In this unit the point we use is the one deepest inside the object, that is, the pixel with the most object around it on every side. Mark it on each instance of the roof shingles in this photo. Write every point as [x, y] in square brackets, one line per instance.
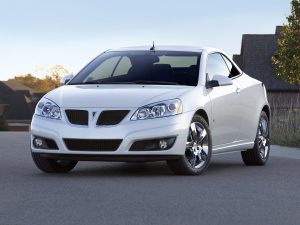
[18, 100]
[255, 60]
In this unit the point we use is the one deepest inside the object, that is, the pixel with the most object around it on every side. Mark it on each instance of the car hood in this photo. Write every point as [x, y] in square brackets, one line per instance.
[114, 96]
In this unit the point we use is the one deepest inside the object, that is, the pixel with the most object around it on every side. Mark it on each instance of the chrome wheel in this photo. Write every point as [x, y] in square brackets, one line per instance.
[259, 154]
[196, 151]
[263, 138]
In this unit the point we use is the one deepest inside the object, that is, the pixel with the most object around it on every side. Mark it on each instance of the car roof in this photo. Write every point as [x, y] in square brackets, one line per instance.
[168, 48]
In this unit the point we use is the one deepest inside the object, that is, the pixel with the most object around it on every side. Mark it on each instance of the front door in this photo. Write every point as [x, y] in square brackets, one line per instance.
[225, 104]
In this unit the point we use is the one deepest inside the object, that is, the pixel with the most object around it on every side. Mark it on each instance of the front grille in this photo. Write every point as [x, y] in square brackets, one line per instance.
[78, 117]
[111, 117]
[93, 144]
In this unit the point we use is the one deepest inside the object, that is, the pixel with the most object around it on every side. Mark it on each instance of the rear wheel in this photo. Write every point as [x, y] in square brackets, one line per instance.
[48, 165]
[259, 154]
[197, 151]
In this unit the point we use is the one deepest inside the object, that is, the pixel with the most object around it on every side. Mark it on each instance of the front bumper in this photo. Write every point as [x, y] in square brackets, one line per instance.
[129, 131]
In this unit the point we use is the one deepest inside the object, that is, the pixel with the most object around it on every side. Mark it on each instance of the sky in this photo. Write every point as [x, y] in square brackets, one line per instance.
[37, 34]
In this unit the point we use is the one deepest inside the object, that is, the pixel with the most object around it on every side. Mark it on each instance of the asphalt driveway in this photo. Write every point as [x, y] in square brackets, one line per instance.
[148, 193]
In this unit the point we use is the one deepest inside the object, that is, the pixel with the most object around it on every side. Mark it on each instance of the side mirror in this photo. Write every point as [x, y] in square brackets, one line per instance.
[219, 80]
[66, 79]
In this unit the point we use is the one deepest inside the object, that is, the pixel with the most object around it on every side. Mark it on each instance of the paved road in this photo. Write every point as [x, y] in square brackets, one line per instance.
[147, 193]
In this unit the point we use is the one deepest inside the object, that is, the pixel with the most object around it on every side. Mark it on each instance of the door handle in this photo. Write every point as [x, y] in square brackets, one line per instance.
[238, 90]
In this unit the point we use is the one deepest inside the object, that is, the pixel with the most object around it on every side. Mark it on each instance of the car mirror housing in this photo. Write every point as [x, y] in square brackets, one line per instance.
[66, 79]
[219, 80]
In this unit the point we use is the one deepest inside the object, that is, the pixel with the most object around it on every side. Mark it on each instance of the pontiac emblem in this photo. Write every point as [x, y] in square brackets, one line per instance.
[94, 113]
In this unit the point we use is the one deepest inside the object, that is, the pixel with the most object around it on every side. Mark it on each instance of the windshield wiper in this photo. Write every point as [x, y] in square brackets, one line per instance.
[127, 82]
[102, 82]
[155, 82]
[88, 82]
[115, 82]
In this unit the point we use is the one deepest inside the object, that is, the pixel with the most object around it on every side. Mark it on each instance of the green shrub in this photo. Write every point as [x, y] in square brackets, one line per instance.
[3, 124]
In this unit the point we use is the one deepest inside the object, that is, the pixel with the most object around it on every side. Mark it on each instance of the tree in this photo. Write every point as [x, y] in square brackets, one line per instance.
[55, 74]
[46, 84]
[287, 62]
[28, 80]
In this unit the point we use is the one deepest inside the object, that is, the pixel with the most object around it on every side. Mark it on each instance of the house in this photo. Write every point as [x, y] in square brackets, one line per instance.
[2, 107]
[17, 102]
[255, 59]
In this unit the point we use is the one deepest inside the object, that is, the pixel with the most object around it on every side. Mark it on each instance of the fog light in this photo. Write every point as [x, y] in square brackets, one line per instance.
[38, 142]
[163, 144]
[44, 143]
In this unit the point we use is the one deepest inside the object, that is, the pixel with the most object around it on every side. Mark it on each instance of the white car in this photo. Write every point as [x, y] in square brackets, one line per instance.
[179, 104]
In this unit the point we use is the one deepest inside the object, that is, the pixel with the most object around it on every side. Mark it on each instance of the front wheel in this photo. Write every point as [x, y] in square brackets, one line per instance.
[197, 151]
[259, 154]
[48, 165]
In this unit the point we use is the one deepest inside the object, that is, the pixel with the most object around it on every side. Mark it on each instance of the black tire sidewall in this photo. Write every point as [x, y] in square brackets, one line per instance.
[48, 165]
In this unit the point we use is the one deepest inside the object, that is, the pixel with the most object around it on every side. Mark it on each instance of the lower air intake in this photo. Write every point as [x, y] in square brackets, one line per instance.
[93, 144]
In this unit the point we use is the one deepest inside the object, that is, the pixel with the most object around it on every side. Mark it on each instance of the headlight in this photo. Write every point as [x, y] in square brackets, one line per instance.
[158, 110]
[48, 109]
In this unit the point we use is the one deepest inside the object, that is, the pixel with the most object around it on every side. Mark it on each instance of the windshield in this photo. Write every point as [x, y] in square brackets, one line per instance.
[142, 67]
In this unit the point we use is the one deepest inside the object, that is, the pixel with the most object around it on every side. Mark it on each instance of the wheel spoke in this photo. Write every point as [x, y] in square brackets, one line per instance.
[194, 132]
[264, 142]
[260, 141]
[193, 162]
[262, 153]
[260, 129]
[198, 160]
[189, 144]
[204, 150]
[266, 150]
[265, 128]
[202, 136]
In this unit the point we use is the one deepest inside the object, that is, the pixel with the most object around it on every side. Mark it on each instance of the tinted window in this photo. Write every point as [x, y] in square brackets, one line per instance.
[233, 70]
[159, 67]
[216, 66]
[178, 61]
[123, 66]
[106, 68]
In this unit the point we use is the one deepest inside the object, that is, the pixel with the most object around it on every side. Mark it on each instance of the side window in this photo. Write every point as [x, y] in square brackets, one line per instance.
[123, 67]
[233, 70]
[104, 70]
[215, 65]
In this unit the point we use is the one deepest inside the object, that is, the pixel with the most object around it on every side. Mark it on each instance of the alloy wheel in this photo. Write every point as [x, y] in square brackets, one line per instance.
[263, 138]
[196, 151]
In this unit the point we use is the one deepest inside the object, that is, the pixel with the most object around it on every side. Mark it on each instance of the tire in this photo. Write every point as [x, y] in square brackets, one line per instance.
[48, 165]
[197, 154]
[259, 154]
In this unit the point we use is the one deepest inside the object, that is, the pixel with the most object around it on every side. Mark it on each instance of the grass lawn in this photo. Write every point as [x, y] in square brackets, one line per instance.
[285, 127]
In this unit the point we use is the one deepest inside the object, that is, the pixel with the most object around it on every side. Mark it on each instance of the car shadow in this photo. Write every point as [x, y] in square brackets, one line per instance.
[125, 169]
[140, 169]
[217, 167]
